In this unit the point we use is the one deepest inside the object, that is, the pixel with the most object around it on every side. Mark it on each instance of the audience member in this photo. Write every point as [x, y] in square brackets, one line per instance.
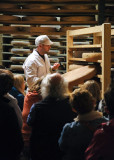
[76, 136]
[13, 101]
[94, 88]
[18, 89]
[102, 144]
[47, 118]
[11, 141]
[32, 96]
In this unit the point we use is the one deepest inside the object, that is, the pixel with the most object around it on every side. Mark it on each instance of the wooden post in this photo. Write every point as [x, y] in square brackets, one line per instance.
[69, 44]
[106, 56]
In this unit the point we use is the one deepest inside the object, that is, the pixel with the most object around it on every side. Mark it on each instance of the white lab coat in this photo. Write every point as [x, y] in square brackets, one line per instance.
[35, 67]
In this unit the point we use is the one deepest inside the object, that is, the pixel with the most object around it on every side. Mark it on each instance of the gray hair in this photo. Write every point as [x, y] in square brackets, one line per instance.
[54, 85]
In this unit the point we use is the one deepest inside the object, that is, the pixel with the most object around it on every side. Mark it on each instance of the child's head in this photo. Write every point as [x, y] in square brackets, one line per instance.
[19, 83]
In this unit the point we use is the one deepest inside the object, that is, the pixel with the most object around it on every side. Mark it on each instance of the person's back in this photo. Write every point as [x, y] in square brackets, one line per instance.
[102, 144]
[11, 141]
[76, 136]
[47, 118]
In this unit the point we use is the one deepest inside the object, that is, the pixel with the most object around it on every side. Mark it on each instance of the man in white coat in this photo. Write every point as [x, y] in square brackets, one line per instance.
[37, 63]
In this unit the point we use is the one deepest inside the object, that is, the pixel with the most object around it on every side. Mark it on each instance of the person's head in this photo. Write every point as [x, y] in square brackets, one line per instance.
[109, 99]
[37, 85]
[82, 101]
[54, 85]
[6, 83]
[19, 83]
[93, 87]
[43, 44]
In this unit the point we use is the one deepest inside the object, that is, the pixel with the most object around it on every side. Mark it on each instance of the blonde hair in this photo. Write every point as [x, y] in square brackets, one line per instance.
[93, 87]
[18, 82]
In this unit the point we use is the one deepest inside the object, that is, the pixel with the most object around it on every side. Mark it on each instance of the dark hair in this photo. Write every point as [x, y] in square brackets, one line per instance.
[6, 83]
[109, 98]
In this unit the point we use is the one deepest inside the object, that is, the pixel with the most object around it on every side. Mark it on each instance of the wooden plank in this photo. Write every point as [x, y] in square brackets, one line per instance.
[45, 12]
[85, 31]
[29, 30]
[50, 22]
[71, 1]
[85, 46]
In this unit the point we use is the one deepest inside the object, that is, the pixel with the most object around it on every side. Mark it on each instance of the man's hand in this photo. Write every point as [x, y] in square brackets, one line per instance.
[55, 66]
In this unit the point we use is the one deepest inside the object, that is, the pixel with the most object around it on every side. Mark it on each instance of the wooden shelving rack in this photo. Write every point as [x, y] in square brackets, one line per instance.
[101, 42]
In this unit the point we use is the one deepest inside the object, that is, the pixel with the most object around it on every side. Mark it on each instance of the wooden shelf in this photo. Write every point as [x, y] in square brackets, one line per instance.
[101, 40]
[86, 46]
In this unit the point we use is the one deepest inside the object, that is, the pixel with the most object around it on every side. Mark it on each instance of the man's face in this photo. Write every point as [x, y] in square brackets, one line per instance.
[45, 48]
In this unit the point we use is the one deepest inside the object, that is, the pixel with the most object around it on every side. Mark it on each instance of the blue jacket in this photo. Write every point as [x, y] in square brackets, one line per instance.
[19, 96]
[76, 136]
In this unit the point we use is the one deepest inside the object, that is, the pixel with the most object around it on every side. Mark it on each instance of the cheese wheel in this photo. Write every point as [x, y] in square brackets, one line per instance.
[18, 59]
[92, 56]
[20, 51]
[20, 43]
[78, 76]
[16, 67]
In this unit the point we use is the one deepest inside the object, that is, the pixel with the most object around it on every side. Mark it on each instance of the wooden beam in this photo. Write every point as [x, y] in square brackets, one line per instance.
[85, 31]
[106, 57]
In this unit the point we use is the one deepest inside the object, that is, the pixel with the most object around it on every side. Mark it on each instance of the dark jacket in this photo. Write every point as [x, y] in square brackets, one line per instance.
[102, 144]
[47, 119]
[19, 96]
[11, 142]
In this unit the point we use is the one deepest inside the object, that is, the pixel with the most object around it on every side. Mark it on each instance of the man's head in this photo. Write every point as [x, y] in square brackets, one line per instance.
[43, 39]
[43, 44]
[54, 85]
